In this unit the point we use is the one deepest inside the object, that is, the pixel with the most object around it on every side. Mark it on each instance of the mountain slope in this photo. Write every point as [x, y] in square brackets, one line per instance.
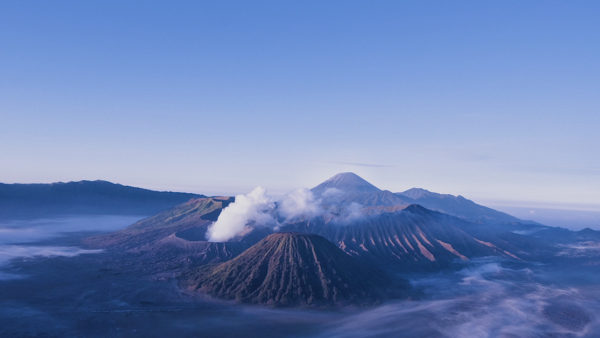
[457, 206]
[84, 197]
[412, 239]
[288, 269]
[197, 214]
[173, 239]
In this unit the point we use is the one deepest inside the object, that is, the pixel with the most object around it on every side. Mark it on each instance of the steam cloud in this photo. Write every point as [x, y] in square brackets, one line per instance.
[299, 203]
[257, 208]
[15, 236]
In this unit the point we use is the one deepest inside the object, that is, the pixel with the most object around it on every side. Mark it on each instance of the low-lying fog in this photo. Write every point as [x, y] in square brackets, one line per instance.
[565, 218]
[62, 296]
[39, 237]
[485, 299]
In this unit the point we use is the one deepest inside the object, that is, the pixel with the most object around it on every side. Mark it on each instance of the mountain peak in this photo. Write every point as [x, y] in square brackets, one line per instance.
[417, 193]
[347, 182]
[417, 209]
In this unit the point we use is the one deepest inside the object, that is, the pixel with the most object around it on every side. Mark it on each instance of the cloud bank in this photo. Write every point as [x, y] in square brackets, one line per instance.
[10, 252]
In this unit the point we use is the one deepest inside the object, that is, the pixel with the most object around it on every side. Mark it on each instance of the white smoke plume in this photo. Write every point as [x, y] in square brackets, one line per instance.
[299, 203]
[351, 213]
[259, 209]
[255, 207]
[332, 193]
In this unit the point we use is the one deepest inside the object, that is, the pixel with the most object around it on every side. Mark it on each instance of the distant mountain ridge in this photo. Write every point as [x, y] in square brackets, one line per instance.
[456, 206]
[348, 187]
[83, 197]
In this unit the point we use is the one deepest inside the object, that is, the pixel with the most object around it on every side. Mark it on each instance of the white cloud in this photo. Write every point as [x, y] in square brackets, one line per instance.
[351, 213]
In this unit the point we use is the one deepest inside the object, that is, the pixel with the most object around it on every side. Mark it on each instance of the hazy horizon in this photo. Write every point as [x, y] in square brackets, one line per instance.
[215, 191]
[572, 216]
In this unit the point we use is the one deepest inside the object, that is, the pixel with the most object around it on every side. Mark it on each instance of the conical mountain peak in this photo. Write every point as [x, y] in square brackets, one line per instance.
[347, 182]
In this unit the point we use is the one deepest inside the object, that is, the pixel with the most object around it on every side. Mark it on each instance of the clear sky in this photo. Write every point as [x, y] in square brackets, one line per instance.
[495, 100]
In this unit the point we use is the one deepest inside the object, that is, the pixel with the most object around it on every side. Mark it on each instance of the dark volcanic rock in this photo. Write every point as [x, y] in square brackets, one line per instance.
[291, 269]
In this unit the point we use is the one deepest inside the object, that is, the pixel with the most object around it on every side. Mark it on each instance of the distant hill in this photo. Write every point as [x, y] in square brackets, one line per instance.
[84, 197]
[289, 269]
[456, 206]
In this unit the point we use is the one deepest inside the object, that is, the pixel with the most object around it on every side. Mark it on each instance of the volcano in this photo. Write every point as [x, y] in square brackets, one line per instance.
[188, 221]
[347, 182]
[292, 269]
[174, 239]
[345, 188]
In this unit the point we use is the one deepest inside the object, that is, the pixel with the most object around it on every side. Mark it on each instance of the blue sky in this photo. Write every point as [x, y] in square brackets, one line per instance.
[495, 100]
